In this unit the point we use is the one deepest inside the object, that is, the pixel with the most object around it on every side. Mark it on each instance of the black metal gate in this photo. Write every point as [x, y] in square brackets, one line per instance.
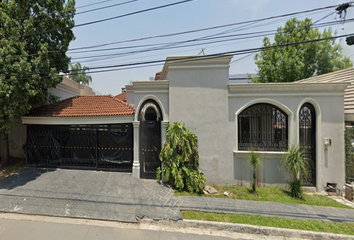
[150, 139]
[81, 146]
[307, 133]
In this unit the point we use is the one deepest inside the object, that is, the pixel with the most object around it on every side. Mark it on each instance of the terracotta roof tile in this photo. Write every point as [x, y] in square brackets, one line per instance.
[122, 96]
[157, 75]
[84, 106]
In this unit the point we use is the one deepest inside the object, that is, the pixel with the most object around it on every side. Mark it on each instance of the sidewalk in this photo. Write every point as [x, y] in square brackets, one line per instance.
[120, 197]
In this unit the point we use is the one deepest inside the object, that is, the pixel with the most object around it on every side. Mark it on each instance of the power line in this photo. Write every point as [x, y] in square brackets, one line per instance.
[205, 29]
[94, 4]
[238, 52]
[132, 13]
[109, 6]
[112, 18]
[239, 59]
[186, 41]
[196, 58]
[246, 36]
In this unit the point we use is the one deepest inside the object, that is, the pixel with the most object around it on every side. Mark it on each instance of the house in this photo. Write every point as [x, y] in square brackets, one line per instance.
[65, 89]
[241, 78]
[229, 120]
[342, 76]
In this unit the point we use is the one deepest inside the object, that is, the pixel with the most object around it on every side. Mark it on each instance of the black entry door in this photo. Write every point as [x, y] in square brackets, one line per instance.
[150, 139]
[150, 148]
[307, 133]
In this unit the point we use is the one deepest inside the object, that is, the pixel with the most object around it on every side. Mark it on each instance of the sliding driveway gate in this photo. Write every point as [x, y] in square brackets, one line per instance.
[81, 146]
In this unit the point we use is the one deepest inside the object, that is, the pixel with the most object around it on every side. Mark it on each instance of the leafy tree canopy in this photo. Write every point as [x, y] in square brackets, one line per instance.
[34, 38]
[78, 74]
[300, 61]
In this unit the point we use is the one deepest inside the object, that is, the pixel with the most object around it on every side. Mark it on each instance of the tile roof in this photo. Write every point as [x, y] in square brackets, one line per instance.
[84, 106]
[346, 75]
[122, 96]
[158, 75]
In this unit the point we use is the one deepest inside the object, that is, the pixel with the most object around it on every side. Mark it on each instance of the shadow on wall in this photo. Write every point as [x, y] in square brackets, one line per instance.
[23, 177]
[270, 173]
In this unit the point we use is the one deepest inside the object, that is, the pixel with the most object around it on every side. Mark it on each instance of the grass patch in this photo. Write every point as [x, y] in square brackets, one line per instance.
[269, 194]
[16, 165]
[309, 225]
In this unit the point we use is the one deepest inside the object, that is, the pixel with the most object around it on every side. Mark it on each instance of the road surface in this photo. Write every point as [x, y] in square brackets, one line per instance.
[20, 226]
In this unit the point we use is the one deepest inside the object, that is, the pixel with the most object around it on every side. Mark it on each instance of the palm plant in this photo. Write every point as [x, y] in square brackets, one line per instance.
[255, 162]
[78, 74]
[295, 164]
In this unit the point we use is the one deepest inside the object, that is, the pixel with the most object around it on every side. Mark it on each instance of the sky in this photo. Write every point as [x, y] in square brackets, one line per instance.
[193, 15]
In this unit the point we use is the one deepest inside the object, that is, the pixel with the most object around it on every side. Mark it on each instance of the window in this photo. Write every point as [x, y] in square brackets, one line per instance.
[263, 127]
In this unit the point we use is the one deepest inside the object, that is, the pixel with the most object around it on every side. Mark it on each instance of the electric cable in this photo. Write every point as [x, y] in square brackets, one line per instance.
[105, 7]
[193, 58]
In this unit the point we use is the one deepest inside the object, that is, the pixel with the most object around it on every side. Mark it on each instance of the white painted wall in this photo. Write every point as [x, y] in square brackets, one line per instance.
[130, 94]
[156, 90]
[199, 97]
[330, 124]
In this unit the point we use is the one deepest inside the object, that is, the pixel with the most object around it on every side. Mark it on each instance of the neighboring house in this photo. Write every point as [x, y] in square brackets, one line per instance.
[241, 78]
[342, 76]
[229, 120]
[122, 96]
[67, 88]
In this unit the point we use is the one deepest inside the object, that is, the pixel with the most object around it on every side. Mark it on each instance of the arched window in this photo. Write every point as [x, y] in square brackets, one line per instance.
[263, 127]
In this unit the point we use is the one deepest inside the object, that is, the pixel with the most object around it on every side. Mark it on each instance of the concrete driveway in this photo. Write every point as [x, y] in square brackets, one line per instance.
[86, 194]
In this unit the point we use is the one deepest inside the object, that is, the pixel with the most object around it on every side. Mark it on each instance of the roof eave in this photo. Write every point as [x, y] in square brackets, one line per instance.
[115, 119]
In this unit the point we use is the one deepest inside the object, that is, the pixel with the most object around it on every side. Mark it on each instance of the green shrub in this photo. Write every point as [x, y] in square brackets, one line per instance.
[180, 159]
[349, 155]
[158, 174]
[295, 164]
[255, 162]
[295, 188]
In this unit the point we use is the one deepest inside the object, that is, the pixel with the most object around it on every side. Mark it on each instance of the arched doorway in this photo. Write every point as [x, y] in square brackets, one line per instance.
[150, 118]
[307, 134]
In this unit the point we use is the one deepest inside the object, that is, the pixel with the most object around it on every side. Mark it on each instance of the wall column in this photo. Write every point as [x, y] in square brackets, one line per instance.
[136, 163]
[163, 132]
[163, 138]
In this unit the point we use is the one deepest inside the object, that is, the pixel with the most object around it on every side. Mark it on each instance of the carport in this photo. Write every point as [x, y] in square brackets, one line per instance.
[88, 132]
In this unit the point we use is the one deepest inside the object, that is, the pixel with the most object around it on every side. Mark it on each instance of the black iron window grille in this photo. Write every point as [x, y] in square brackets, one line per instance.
[263, 127]
[307, 134]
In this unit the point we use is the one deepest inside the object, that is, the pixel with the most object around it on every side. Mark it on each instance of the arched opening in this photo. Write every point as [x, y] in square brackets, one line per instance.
[263, 127]
[307, 140]
[150, 138]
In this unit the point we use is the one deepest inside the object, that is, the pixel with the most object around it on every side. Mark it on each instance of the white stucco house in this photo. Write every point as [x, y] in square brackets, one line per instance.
[229, 120]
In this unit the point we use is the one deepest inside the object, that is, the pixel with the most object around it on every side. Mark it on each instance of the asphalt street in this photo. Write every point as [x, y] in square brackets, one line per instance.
[20, 226]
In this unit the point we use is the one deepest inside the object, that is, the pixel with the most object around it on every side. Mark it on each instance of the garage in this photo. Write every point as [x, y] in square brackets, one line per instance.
[86, 132]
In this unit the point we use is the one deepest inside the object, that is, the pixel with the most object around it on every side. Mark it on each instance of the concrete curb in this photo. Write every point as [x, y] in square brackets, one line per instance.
[214, 227]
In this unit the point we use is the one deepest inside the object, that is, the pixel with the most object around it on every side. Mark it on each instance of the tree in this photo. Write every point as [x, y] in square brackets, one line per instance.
[295, 164]
[180, 159]
[254, 161]
[34, 38]
[299, 61]
[78, 74]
